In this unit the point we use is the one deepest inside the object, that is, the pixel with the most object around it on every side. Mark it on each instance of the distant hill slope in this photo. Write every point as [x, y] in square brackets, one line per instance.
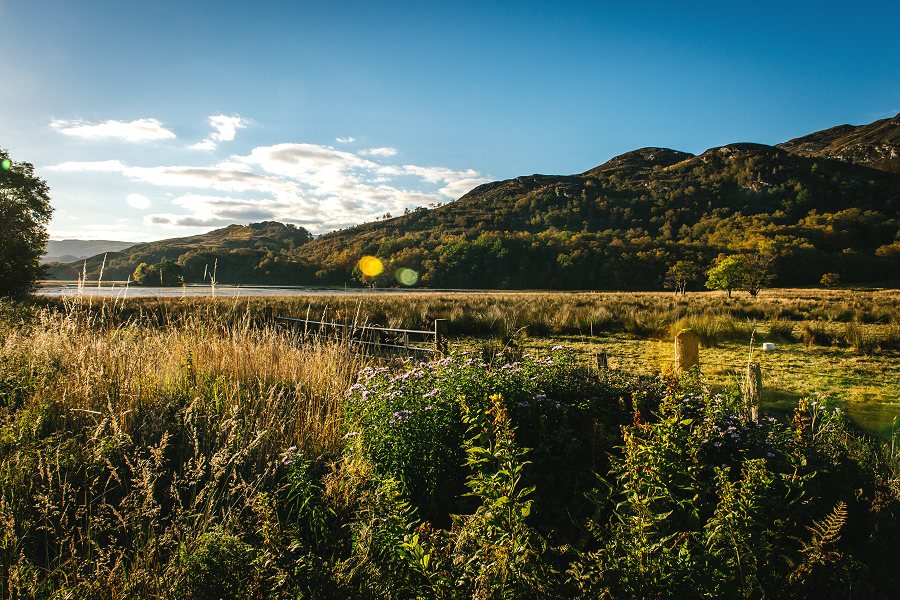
[622, 223]
[818, 201]
[876, 145]
[255, 253]
[71, 250]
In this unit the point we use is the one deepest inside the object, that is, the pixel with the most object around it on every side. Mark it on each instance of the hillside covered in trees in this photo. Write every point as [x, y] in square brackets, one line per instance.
[826, 203]
[255, 253]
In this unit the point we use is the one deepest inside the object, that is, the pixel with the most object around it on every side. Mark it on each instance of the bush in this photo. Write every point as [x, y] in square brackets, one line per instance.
[813, 334]
[705, 504]
[411, 426]
[830, 279]
[781, 331]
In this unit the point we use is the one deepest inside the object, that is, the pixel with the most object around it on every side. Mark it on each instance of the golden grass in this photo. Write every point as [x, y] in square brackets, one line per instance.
[541, 313]
[835, 342]
[92, 366]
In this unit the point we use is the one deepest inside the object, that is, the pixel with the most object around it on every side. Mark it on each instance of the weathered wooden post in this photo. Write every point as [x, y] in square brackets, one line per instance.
[687, 351]
[753, 390]
[602, 361]
[440, 336]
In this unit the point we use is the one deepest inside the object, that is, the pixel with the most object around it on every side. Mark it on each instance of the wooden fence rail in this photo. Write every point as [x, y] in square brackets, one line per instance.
[380, 337]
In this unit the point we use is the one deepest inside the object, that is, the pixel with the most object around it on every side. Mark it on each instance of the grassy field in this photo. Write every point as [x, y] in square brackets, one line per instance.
[186, 448]
[843, 345]
[867, 386]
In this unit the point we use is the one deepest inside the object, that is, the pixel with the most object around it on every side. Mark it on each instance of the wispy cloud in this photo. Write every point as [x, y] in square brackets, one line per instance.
[222, 178]
[317, 186]
[379, 152]
[224, 129]
[139, 130]
[94, 166]
[345, 140]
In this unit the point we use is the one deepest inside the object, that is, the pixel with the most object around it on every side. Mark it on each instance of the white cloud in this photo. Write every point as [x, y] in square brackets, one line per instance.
[139, 130]
[223, 178]
[345, 140]
[224, 130]
[205, 210]
[378, 152]
[138, 201]
[204, 145]
[432, 174]
[319, 187]
[226, 127]
[97, 166]
[461, 187]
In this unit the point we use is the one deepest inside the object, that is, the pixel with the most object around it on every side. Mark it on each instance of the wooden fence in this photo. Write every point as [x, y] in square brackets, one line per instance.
[412, 340]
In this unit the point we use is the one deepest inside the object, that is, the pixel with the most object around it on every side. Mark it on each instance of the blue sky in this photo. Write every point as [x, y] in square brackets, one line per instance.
[161, 119]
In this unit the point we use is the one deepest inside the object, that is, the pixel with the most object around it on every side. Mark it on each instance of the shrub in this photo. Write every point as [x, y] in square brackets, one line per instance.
[830, 279]
[712, 328]
[410, 424]
[781, 331]
[813, 334]
[705, 504]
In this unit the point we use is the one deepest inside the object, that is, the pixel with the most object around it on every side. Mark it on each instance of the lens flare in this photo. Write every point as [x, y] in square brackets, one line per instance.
[371, 266]
[5, 164]
[406, 276]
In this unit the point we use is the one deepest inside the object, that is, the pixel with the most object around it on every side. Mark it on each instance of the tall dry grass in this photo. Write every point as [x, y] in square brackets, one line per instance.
[90, 361]
[507, 314]
[122, 445]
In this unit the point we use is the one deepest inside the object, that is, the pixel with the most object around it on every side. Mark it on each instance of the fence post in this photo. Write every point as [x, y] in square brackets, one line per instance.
[687, 351]
[753, 390]
[602, 361]
[440, 336]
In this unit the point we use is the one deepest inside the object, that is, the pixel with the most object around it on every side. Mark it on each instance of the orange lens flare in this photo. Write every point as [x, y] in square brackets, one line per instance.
[371, 266]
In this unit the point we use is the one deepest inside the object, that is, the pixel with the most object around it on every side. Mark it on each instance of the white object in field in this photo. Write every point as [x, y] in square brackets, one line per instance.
[768, 346]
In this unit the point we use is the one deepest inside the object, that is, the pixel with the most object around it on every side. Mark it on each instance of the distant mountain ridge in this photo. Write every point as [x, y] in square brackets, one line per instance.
[824, 203]
[255, 253]
[875, 145]
[71, 250]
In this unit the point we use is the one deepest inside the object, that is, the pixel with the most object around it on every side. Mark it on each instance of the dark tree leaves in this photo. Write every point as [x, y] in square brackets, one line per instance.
[24, 213]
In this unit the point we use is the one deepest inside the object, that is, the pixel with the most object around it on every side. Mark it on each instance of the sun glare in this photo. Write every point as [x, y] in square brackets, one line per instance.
[371, 266]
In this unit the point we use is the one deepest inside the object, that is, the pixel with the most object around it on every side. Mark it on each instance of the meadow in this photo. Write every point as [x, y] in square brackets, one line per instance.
[839, 345]
[186, 447]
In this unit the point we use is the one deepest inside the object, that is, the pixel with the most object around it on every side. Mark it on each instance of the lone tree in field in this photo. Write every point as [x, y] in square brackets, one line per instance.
[830, 279]
[758, 271]
[726, 274]
[681, 275]
[749, 272]
[24, 213]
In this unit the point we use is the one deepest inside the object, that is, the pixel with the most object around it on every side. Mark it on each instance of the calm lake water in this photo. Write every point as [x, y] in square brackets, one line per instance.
[121, 291]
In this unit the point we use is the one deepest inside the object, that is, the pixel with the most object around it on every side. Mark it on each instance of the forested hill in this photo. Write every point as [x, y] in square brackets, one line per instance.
[819, 208]
[623, 223]
[256, 253]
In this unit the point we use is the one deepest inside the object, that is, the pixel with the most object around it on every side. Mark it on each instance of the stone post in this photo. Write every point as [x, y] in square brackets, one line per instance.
[687, 350]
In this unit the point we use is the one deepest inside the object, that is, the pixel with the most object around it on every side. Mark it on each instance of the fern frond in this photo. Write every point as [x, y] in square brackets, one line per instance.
[827, 531]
